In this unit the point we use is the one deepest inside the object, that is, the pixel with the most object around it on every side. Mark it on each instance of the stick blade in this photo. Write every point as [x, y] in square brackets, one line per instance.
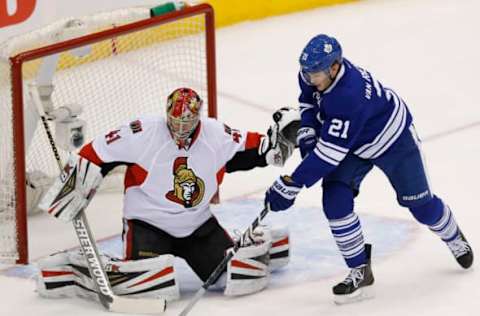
[138, 305]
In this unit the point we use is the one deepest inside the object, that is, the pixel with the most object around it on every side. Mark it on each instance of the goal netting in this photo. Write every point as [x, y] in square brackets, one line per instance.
[113, 66]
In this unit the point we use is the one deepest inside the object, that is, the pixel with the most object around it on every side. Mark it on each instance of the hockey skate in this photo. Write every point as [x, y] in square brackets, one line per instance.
[461, 250]
[357, 286]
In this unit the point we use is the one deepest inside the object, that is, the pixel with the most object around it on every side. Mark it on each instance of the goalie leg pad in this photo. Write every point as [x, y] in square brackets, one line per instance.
[55, 278]
[280, 250]
[248, 271]
[279, 239]
[66, 275]
[152, 277]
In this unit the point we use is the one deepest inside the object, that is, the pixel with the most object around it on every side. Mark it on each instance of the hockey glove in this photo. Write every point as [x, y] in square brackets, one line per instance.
[281, 195]
[306, 140]
[72, 191]
[259, 235]
[280, 141]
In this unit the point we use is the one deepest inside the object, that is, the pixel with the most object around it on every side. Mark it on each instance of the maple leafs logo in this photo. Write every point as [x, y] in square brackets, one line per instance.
[328, 48]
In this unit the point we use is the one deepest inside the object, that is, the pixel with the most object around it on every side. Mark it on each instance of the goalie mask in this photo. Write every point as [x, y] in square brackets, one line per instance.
[183, 114]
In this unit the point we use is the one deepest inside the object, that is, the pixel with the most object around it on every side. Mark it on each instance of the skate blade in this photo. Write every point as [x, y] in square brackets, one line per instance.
[361, 294]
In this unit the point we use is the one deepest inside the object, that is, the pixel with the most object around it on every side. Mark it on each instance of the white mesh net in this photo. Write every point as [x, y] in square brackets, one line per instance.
[116, 80]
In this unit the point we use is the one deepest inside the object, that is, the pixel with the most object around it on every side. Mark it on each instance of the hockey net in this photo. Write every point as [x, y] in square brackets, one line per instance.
[116, 66]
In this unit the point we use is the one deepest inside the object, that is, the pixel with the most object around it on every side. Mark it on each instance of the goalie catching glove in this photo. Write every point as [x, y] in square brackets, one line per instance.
[73, 189]
[280, 141]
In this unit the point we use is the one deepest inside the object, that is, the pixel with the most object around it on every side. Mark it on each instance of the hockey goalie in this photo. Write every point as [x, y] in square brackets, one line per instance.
[174, 166]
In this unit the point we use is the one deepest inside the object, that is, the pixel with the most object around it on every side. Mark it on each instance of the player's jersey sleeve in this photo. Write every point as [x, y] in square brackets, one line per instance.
[306, 103]
[230, 141]
[345, 118]
[248, 158]
[122, 145]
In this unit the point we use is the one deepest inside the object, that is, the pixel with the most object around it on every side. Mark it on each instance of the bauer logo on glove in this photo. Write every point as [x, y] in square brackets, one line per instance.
[286, 191]
[281, 195]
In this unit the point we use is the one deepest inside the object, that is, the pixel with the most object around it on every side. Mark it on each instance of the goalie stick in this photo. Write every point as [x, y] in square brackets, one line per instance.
[221, 266]
[105, 293]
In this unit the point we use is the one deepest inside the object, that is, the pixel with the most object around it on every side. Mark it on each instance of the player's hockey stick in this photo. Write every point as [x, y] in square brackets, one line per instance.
[105, 293]
[223, 264]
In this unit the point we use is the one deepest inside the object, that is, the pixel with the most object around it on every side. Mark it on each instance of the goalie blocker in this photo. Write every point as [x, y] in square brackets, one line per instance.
[73, 190]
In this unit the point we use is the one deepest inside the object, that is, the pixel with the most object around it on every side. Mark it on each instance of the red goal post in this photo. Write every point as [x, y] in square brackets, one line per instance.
[116, 65]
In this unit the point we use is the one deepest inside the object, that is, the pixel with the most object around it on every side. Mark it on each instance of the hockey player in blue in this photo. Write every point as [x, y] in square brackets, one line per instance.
[351, 123]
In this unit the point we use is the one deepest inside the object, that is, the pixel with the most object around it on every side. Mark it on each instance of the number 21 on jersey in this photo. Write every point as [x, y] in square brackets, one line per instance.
[339, 128]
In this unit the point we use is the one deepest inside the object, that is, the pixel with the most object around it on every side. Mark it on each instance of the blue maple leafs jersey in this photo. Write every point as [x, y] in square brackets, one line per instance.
[356, 114]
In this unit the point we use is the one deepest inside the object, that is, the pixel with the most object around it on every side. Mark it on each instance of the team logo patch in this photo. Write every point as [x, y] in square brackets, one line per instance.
[188, 189]
[136, 126]
[328, 48]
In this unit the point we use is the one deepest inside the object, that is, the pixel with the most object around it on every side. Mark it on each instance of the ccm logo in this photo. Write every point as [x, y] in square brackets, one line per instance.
[24, 10]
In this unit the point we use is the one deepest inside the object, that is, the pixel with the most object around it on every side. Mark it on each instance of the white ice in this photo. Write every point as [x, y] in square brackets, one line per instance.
[427, 50]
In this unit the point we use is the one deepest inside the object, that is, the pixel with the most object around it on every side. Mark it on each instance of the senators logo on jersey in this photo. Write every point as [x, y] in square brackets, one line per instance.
[188, 189]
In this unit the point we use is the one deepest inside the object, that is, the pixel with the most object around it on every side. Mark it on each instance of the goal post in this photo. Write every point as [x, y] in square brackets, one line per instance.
[113, 66]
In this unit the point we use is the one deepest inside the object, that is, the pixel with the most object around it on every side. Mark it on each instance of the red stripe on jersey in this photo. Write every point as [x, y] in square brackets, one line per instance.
[47, 274]
[253, 140]
[220, 175]
[281, 242]
[160, 274]
[90, 154]
[240, 264]
[134, 176]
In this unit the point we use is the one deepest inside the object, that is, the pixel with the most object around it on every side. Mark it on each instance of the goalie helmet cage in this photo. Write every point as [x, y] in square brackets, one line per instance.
[116, 65]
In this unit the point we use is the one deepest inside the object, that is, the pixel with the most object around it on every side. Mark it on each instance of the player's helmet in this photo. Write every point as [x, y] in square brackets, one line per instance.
[183, 113]
[320, 54]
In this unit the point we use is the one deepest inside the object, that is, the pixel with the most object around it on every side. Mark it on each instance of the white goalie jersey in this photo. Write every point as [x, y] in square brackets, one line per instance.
[165, 186]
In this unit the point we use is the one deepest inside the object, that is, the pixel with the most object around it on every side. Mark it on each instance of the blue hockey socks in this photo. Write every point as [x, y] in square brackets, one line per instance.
[446, 228]
[348, 235]
[438, 217]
